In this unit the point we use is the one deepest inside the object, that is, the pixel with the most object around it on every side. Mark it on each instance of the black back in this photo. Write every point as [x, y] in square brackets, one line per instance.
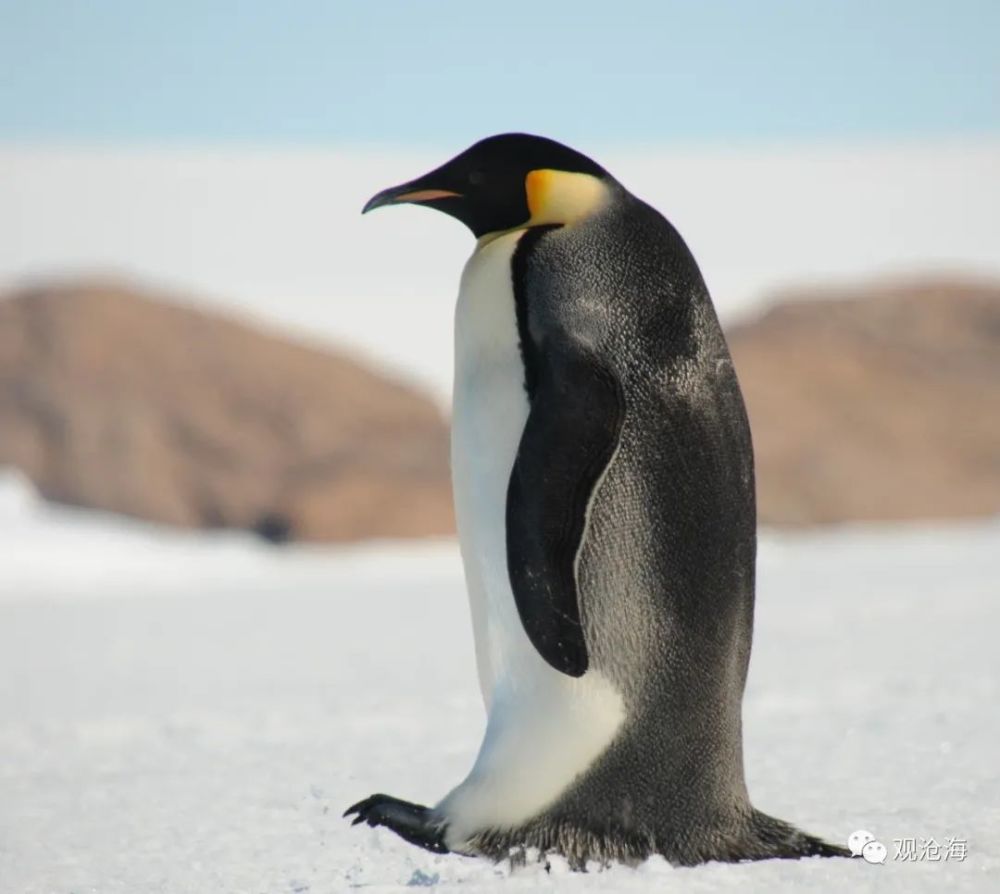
[636, 412]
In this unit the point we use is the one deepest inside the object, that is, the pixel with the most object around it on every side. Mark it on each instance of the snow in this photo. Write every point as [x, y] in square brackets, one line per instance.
[182, 712]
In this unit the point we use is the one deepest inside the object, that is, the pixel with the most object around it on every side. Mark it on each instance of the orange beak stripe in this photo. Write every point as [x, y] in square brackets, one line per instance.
[427, 195]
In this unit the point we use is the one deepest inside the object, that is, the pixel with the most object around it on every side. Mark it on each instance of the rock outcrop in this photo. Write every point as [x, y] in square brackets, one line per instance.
[875, 404]
[117, 401]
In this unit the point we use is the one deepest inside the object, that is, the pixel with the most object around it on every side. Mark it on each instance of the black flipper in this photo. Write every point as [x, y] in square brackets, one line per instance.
[577, 410]
[411, 822]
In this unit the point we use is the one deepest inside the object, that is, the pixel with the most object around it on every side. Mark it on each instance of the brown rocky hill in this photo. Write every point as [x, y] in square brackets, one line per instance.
[876, 403]
[117, 401]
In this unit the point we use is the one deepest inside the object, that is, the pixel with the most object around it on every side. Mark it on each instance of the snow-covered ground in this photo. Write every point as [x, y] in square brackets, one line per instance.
[183, 713]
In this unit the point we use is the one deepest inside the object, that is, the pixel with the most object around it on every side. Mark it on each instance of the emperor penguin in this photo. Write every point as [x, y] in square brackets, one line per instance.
[604, 495]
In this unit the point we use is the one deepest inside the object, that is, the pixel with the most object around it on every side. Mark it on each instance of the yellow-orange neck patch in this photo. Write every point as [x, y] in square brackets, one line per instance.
[561, 197]
[556, 197]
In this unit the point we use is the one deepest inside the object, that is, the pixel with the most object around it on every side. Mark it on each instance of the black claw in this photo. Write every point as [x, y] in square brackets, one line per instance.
[359, 807]
[411, 822]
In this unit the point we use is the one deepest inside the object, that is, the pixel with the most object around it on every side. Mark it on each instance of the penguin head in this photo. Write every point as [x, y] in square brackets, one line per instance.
[507, 182]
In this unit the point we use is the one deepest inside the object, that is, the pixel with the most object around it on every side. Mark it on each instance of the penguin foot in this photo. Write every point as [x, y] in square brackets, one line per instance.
[411, 822]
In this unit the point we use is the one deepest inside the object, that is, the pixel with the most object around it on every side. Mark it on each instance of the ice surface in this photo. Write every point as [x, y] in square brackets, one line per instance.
[182, 713]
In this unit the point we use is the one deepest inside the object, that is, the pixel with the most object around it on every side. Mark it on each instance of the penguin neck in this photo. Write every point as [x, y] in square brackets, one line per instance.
[488, 238]
[558, 198]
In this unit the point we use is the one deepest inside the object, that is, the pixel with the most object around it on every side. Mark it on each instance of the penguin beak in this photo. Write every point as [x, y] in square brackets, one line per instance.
[416, 192]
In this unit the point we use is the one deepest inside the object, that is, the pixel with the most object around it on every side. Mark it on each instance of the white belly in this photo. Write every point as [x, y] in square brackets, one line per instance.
[490, 408]
[544, 727]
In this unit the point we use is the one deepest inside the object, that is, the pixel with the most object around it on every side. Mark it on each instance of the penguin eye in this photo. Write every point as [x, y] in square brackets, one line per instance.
[477, 178]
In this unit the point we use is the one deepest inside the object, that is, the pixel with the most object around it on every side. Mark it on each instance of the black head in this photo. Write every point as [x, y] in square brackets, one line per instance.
[500, 183]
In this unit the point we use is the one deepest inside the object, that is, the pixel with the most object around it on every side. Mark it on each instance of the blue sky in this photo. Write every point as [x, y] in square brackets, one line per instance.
[441, 72]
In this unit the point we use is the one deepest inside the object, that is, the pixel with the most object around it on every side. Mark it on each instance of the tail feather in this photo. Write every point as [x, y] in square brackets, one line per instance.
[778, 839]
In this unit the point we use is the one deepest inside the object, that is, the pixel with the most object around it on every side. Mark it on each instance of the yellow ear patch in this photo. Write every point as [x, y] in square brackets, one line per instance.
[561, 197]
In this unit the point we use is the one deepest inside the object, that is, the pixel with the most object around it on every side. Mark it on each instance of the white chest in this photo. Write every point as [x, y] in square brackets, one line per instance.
[490, 409]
